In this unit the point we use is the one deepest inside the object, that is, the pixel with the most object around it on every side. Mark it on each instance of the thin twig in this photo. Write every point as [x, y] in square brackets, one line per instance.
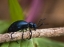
[50, 32]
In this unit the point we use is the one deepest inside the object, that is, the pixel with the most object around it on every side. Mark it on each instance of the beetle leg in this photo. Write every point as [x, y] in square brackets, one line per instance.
[22, 34]
[30, 33]
[11, 34]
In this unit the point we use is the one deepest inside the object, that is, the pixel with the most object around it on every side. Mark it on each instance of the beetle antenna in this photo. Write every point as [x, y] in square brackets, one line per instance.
[40, 21]
[40, 25]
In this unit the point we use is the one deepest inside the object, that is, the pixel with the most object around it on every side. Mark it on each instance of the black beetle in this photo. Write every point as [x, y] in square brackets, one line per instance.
[21, 25]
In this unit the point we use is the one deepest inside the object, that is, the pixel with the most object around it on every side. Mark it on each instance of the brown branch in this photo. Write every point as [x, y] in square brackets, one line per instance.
[50, 32]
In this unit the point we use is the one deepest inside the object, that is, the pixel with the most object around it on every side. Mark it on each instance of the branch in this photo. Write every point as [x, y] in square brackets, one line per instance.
[50, 32]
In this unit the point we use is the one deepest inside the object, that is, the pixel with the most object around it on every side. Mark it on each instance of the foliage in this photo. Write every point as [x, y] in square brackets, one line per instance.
[16, 12]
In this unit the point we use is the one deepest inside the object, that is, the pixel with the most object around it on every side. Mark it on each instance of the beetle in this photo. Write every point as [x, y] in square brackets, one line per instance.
[22, 25]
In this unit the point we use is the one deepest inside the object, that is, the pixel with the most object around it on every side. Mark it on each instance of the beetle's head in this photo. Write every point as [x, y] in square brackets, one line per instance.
[32, 25]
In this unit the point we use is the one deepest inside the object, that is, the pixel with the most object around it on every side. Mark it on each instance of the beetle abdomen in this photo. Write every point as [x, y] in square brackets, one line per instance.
[18, 25]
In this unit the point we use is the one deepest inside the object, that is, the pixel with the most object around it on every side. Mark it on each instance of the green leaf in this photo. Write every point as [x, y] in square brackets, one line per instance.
[5, 44]
[27, 43]
[14, 44]
[3, 26]
[44, 42]
[16, 12]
